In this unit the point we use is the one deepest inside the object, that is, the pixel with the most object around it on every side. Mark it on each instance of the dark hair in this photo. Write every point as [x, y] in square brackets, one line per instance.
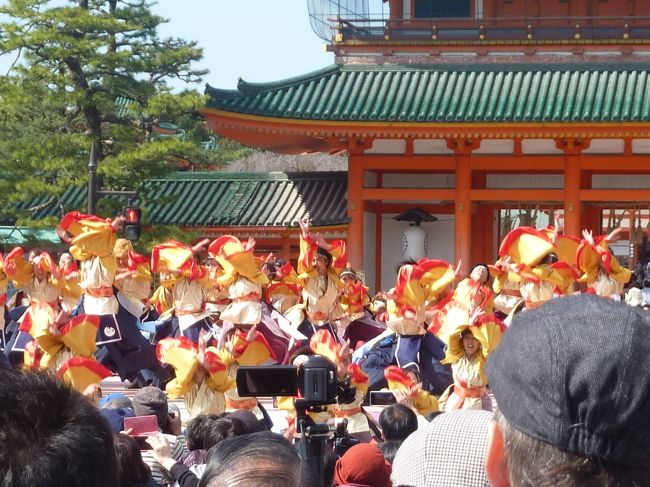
[549, 258]
[535, 463]
[223, 428]
[320, 251]
[52, 435]
[310, 478]
[397, 422]
[304, 350]
[131, 468]
[389, 449]
[196, 430]
[263, 458]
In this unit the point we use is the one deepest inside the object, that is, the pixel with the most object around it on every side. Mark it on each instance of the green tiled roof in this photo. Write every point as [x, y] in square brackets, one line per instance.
[257, 199]
[450, 94]
[217, 199]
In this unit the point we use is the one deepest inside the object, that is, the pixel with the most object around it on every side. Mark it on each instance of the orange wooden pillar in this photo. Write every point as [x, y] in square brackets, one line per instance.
[572, 179]
[379, 232]
[482, 225]
[463, 203]
[286, 248]
[355, 211]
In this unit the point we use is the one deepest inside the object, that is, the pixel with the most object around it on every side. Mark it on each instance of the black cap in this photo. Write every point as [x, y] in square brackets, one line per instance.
[575, 373]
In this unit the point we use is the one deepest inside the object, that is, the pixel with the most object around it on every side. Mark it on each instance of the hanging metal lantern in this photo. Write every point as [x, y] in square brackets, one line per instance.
[414, 237]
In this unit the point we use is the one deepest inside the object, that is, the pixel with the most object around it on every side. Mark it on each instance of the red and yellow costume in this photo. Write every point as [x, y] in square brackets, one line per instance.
[66, 349]
[469, 388]
[186, 280]
[600, 269]
[425, 402]
[205, 396]
[92, 245]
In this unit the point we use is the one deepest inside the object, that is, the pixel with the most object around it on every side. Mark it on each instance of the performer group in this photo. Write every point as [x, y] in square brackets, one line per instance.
[217, 305]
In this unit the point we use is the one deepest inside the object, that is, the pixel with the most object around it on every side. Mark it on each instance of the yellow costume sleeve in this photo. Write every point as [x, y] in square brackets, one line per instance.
[17, 268]
[218, 380]
[81, 372]
[181, 354]
[93, 237]
[243, 352]
[425, 402]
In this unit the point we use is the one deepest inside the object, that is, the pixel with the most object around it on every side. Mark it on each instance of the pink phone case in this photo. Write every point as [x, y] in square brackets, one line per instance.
[142, 425]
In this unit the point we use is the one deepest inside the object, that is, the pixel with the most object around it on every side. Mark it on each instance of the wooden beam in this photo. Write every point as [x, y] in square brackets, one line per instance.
[615, 195]
[408, 194]
[616, 164]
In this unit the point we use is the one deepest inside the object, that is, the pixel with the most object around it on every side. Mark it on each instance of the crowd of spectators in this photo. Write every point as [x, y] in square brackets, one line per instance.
[571, 382]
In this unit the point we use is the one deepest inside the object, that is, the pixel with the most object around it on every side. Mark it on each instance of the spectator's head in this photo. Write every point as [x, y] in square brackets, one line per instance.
[363, 464]
[132, 469]
[389, 449]
[253, 425]
[262, 459]
[152, 401]
[115, 417]
[397, 422]
[223, 428]
[449, 451]
[51, 434]
[116, 400]
[196, 430]
[572, 383]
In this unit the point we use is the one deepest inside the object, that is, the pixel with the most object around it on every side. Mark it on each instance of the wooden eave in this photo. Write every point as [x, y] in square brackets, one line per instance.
[291, 136]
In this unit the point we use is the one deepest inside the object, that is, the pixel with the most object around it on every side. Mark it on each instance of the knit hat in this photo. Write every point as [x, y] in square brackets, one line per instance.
[151, 401]
[574, 373]
[448, 452]
[116, 400]
[363, 465]
[115, 417]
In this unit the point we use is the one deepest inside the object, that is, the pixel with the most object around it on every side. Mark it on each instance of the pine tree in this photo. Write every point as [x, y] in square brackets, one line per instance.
[91, 71]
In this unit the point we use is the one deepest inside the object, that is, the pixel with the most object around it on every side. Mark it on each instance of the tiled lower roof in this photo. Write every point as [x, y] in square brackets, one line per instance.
[217, 199]
[514, 93]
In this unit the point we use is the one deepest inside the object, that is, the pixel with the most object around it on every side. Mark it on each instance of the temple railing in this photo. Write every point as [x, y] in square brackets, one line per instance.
[478, 30]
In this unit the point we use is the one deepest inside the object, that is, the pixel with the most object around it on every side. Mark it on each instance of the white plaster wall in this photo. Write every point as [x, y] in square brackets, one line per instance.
[524, 181]
[431, 146]
[498, 146]
[620, 181]
[539, 146]
[641, 146]
[605, 146]
[369, 179]
[393, 180]
[440, 244]
[387, 146]
[369, 229]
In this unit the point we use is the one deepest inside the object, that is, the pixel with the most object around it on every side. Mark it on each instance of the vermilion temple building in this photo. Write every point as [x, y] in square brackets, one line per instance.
[484, 113]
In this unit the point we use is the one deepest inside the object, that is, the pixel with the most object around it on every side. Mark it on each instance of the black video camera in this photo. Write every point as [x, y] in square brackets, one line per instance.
[317, 384]
[315, 380]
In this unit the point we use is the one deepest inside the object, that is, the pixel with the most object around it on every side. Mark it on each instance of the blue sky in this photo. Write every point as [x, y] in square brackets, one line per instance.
[257, 40]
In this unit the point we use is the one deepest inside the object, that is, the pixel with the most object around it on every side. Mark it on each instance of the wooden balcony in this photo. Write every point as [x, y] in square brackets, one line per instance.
[511, 30]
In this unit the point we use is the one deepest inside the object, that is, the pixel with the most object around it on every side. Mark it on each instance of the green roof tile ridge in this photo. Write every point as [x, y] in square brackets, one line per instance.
[252, 88]
[250, 176]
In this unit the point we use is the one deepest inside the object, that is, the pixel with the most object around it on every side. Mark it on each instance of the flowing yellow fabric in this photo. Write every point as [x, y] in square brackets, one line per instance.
[81, 372]
[526, 245]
